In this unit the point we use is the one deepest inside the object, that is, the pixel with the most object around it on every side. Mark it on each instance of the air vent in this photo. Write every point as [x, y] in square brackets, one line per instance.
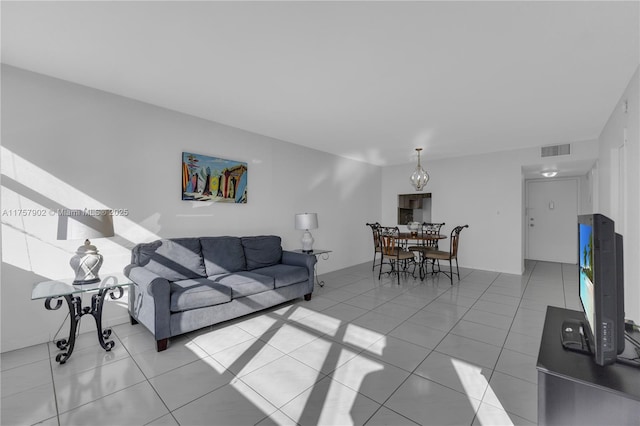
[555, 150]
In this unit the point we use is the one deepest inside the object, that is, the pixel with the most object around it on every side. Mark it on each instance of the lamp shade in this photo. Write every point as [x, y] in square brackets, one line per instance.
[85, 224]
[307, 221]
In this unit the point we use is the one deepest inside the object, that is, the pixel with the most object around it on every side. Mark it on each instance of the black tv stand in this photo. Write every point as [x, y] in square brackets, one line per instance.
[574, 390]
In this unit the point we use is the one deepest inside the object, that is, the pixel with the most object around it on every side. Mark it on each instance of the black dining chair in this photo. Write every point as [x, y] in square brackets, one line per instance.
[437, 255]
[375, 231]
[395, 255]
[424, 243]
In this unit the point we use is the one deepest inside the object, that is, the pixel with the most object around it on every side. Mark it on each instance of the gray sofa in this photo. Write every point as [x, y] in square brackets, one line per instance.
[183, 284]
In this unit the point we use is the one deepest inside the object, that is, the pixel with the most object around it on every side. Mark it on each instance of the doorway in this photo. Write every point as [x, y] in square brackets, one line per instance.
[551, 212]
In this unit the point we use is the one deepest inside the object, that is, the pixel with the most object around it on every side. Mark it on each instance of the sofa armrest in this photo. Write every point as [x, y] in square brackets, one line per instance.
[299, 259]
[304, 260]
[149, 300]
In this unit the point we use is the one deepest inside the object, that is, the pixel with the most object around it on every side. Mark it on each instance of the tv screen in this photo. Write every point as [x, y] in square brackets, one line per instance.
[601, 286]
[585, 241]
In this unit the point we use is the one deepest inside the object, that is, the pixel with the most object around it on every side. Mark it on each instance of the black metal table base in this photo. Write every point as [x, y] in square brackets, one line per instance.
[315, 269]
[318, 281]
[404, 268]
[77, 311]
[424, 268]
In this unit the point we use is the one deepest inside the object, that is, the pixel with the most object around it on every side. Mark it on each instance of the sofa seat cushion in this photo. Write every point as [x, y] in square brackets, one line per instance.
[197, 293]
[262, 251]
[222, 255]
[174, 259]
[244, 283]
[284, 275]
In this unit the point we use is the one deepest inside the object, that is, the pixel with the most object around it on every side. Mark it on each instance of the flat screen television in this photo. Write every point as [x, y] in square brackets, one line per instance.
[601, 287]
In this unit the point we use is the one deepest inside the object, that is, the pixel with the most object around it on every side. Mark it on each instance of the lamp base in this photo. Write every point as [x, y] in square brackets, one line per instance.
[85, 282]
[307, 242]
[85, 264]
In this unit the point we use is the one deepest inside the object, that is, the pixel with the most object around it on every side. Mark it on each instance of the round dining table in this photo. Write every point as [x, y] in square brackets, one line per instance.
[420, 238]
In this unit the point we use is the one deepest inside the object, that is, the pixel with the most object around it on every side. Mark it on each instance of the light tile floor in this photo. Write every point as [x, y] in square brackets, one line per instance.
[362, 351]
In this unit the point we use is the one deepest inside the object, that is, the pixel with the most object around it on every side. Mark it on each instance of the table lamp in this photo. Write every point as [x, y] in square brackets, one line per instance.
[82, 224]
[307, 221]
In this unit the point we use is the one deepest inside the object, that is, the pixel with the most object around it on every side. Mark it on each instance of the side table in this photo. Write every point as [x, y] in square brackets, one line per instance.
[319, 254]
[57, 289]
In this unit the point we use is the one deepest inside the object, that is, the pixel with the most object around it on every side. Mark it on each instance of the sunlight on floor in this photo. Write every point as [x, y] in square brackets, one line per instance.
[319, 323]
[473, 381]
[363, 338]
[327, 348]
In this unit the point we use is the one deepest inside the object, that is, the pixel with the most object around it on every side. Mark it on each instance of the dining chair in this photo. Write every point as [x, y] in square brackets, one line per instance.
[390, 249]
[425, 243]
[437, 255]
[375, 230]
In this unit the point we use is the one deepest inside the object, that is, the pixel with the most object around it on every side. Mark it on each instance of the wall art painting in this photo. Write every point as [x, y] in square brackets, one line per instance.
[213, 179]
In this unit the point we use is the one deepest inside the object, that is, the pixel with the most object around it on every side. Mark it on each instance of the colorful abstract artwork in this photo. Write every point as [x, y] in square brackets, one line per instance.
[213, 179]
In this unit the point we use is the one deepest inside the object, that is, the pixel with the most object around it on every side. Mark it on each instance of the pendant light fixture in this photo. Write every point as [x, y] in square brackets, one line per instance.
[420, 177]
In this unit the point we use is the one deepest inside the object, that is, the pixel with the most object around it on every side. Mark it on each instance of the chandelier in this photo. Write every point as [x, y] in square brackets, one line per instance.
[420, 177]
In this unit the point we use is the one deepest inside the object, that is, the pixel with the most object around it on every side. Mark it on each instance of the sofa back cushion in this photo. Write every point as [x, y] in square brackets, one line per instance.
[262, 251]
[222, 255]
[174, 259]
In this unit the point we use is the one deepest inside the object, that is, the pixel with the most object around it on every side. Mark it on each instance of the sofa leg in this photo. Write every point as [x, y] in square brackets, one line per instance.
[162, 344]
[307, 297]
[133, 320]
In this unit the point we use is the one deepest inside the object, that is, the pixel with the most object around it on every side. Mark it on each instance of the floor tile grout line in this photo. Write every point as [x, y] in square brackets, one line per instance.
[413, 372]
[53, 385]
[493, 368]
[410, 372]
[235, 377]
[103, 396]
[502, 349]
[30, 362]
[387, 408]
[318, 378]
[146, 379]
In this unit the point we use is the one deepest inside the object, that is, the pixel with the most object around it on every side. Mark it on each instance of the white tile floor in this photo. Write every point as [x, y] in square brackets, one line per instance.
[362, 351]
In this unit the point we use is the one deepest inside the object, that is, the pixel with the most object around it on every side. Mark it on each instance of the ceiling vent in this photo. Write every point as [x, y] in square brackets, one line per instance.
[555, 150]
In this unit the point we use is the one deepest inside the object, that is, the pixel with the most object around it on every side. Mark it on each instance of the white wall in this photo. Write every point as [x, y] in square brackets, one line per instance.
[483, 191]
[68, 146]
[585, 199]
[627, 216]
[468, 190]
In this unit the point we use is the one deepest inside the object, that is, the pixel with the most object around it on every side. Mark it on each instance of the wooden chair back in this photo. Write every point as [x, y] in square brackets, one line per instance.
[455, 239]
[375, 231]
[389, 240]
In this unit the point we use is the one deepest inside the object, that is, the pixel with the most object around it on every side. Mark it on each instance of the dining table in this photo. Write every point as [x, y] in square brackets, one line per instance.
[419, 238]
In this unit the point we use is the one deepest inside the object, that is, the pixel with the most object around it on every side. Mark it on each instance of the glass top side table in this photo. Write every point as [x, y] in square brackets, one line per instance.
[324, 254]
[58, 289]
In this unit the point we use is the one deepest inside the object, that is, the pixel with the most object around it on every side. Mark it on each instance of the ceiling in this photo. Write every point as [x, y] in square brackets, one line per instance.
[364, 80]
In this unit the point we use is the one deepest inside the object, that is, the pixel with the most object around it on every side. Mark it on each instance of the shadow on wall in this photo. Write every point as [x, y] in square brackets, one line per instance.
[32, 202]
